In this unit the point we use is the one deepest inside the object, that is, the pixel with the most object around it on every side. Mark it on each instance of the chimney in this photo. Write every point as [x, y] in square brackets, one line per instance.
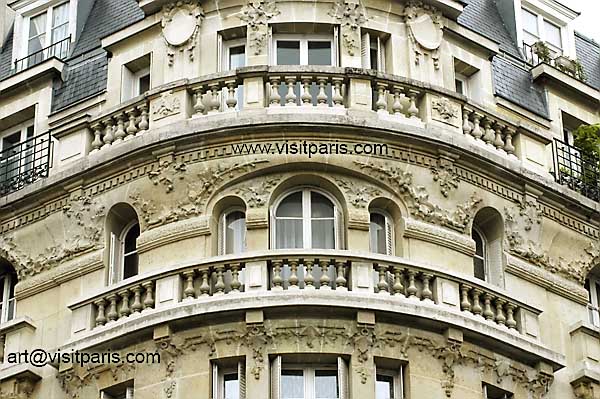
[7, 16]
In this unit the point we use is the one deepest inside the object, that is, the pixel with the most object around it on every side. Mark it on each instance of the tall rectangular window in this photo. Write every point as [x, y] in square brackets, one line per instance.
[136, 77]
[389, 379]
[493, 392]
[48, 28]
[229, 379]
[309, 381]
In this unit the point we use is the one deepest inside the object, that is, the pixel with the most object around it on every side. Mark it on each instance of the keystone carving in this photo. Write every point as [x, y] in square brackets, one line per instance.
[351, 15]
[180, 24]
[359, 195]
[424, 26]
[256, 14]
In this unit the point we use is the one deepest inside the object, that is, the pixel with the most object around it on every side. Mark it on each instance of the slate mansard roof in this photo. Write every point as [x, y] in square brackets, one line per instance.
[86, 70]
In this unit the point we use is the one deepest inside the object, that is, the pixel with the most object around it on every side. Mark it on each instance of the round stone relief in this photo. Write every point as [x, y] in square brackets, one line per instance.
[426, 33]
[180, 28]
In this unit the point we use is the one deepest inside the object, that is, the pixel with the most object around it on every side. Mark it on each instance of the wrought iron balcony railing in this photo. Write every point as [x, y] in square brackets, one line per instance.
[24, 163]
[578, 171]
[58, 50]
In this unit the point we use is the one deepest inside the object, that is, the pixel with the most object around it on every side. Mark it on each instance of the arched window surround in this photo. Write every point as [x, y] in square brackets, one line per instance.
[390, 242]
[483, 257]
[306, 219]
[118, 254]
[489, 226]
[222, 230]
[8, 280]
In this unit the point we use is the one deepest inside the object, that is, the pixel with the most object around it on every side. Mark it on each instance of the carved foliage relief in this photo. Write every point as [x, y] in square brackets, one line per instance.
[351, 15]
[256, 14]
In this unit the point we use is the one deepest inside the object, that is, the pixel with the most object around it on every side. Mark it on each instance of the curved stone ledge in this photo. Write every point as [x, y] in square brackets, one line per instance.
[439, 235]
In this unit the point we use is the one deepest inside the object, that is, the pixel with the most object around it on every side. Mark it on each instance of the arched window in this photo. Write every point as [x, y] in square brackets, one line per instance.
[233, 232]
[381, 233]
[479, 259]
[123, 231]
[592, 285]
[129, 249]
[306, 219]
[8, 280]
[488, 233]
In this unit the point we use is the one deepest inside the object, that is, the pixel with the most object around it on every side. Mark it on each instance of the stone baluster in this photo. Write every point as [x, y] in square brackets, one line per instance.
[120, 130]
[500, 318]
[509, 133]
[220, 281]
[199, 107]
[426, 294]
[489, 135]
[290, 97]
[498, 142]
[413, 111]
[274, 98]
[324, 281]
[398, 288]
[382, 284]
[112, 310]
[204, 284]
[215, 104]
[488, 313]
[510, 320]
[411, 290]
[337, 98]
[322, 96]
[293, 279]
[309, 279]
[136, 306]
[189, 292]
[465, 305]
[131, 128]
[277, 279]
[476, 308]
[476, 131]
[97, 143]
[109, 136]
[397, 105]
[466, 126]
[340, 281]
[231, 101]
[306, 96]
[149, 299]
[144, 124]
[100, 316]
[381, 103]
[235, 277]
[124, 311]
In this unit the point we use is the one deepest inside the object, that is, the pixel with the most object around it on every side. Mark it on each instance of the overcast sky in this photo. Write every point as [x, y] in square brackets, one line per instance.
[588, 22]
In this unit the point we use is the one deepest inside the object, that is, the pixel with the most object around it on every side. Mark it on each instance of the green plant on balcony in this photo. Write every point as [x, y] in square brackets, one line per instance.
[586, 139]
[578, 72]
[542, 51]
[570, 66]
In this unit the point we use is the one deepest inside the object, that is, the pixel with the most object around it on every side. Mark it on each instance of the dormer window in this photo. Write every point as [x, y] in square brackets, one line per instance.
[48, 28]
[537, 28]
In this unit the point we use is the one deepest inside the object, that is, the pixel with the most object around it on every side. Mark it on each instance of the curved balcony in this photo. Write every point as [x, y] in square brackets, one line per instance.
[330, 278]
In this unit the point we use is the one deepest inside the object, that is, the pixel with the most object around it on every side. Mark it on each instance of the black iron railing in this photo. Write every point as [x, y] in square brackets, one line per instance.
[578, 171]
[24, 163]
[59, 50]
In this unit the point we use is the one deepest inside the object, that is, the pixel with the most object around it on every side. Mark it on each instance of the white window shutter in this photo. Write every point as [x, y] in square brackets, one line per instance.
[365, 52]
[335, 47]
[215, 382]
[104, 395]
[342, 370]
[338, 223]
[129, 393]
[276, 378]
[389, 237]
[242, 378]
[271, 53]
[221, 235]
[400, 384]
[220, 55]
[113, 261]
[381, 52]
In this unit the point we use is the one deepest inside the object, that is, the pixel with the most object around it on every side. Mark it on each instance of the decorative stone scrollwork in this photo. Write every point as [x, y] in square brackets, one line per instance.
[258, 196]
[424, 25]
[180, 24]
[168, 104]
[446, 176]
[445, 111]
[256, 14]
[167, 172]
[583, 389]
[359, 195]
[352, 15]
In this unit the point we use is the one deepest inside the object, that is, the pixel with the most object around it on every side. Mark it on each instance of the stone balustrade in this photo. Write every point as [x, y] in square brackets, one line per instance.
[488, 129]
[309, 273]
[302, 89]
[397, 99]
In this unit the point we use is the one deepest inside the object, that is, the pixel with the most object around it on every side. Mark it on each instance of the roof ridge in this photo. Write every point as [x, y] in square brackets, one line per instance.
[588, 39]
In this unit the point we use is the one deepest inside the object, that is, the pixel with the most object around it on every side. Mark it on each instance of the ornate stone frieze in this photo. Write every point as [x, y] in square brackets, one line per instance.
[256, 195]
[76, 379]
[256, 14]
[425, 30]
[180, 24]
[167, 172]
[167, 104]
[417, 198]
[351, 15]
[445, 175]
[445, 111]
[359, 195]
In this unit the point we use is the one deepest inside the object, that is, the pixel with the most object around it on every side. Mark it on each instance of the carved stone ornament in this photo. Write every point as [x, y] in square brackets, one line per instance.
[77, 378]
[417, 198]
[359, 195]
[446, 176]
[21, 389]
[166, 105]
[257, 194]
[424, 26]
[445, 111]
[256, 14]
[180, 24]
[167, 172]
[583, 389]
[351, 15]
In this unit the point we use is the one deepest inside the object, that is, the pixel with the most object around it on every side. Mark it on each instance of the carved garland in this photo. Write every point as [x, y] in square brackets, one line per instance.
[351, 15]
[256, 14]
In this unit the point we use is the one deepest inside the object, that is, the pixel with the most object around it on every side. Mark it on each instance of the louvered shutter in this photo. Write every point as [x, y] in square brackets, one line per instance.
[276, 378]
[389, 237]
[129, 393]
[342, 371]
[365, 52]
[381, 53]
[220, 57]
[215, 382]
[113, 261]
[336, 44]
[271, 54]
[242, 378]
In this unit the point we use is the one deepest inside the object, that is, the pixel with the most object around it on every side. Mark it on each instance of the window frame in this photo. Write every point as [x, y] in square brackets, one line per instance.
[218, 379]
[389, 231]
[304, 38]
[48, 10]
[593, 304]
[137, 76]
[117, 253]
[222, 233]
[398, 380]
[23, 129]
[507, 395]
[307, 217]
[541, 31]
[6, 283]
[484, 257]
[340, 366]
[465, 83]
[365, 48]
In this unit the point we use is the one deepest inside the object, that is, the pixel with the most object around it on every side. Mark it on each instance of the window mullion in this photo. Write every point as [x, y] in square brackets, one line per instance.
[310, 383]
[304, 52]
[49, 27]
[306, 219]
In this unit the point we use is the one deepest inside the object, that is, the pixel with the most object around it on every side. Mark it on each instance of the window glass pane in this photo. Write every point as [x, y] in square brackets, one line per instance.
[144, 84]
[459, 86]
[37, 33]
[479, 268]
[319, 53]
[289, 233]
[237, 57]
[232, 386]
[321, 207]
[291, 206]
[235, 231]
[384, 387]
[60, 22]
[597, 294]
[288, 52]
[131, 238]
[552, 33]
[323, 234]
[326, 386]
[292, 384]
[530, 23]
[130, 267]
[478, 243]
[377, 233]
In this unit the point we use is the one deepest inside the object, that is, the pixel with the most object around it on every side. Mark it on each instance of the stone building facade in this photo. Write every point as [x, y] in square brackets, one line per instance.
[298, 199]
